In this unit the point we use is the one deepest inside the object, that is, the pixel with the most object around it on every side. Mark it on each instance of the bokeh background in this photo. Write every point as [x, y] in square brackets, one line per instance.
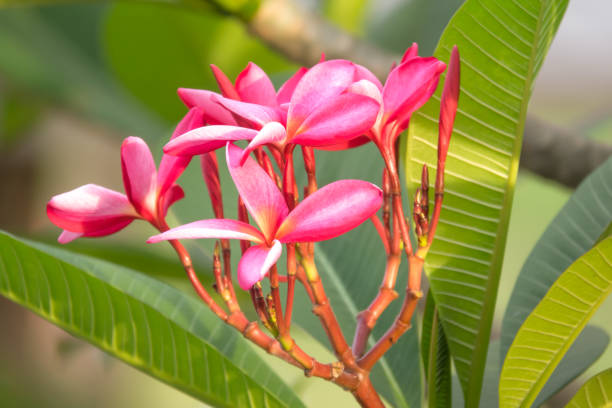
[76, 79]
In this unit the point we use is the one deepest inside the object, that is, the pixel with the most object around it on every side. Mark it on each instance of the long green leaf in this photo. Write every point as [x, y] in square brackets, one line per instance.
[145, 323]
[554, 324]
[436, 357]
[595, 393]
[502, 46]
[573, 232]
[591, 343]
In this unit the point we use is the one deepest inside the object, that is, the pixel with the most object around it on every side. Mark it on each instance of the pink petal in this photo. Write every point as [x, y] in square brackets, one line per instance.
[286, 90]
[68, 236]
[322, 82]
[261, 197]
[411, 52]
[215, 228]
[349, 144]
[410, 85]
[254, 86]
[331, 211]
[256, 262]
[213, 113]
[271, 133]
[362, 73]
[225, 85]
[206, 139]
[366, 88]
[90, 209]
[171, 167]
[139, 176]
[336, 120]
[171, 196]
[448, 105]
[255, 115]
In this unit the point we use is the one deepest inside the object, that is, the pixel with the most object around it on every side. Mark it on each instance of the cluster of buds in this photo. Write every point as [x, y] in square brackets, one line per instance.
[332, 106]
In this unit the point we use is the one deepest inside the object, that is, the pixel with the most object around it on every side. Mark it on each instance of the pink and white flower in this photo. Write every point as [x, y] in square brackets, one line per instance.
[327, 213]
[94, 211]
[318, 110]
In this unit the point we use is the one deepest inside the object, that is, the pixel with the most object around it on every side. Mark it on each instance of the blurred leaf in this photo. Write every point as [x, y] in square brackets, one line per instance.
[17, 114]
[155, 49]
[554, 324]
[436, 358]
[420, 21]
[348, 14]
[595, 393]
[502, 46]
[143, 322]
[575, 230]
[39, 56]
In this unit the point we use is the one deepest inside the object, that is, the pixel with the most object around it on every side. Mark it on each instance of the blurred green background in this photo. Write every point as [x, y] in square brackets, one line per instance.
[76, 79]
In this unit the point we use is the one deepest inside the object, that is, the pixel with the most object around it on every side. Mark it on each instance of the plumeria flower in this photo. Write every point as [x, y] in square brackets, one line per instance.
[252, 85]
[94, 211]
[408, 86]
[327, 213]
[322, 111]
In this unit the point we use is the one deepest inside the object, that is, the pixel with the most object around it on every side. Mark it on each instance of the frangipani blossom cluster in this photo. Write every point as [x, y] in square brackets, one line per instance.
[334, 105]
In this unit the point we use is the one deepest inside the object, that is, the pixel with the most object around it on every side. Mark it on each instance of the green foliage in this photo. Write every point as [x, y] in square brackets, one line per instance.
[154, 50]
[502, 46]
[143, 322]
[348, 14]
[412, 21]
[554, 324]
[575, 230]
[41, 56]
[588, 347]
[595, 393]
[436, 357]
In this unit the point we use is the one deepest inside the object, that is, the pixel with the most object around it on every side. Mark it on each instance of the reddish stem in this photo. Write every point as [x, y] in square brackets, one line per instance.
[291, 274]
[382, 233]
[366, 319]
[401, 323]
[324, 311]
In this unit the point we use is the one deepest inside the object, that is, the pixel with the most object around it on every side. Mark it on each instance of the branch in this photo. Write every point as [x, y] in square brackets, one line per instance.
[559, 154]
[302, 36]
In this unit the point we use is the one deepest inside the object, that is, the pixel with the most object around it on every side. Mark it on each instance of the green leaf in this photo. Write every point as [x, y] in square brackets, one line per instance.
[145, 323]
[588, 347]
[436, 357]
[577, 227]
[591, 343]
[155, 49]
[595, 393]
[554, 324]
[502, 46]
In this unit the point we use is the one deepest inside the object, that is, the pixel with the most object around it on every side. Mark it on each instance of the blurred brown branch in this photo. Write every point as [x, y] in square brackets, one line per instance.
[303, 36]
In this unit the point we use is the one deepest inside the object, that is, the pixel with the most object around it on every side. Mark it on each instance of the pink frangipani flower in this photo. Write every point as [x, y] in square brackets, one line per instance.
[327, 213]
[252, 86]
[408, 86]
[94, 211]
[322, 111]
